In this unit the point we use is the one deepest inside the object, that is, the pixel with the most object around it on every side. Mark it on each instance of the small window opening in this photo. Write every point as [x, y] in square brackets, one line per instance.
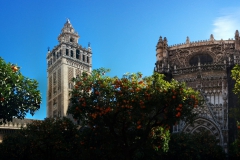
[87, 59]
[54, 57]
[71, 53]
[77, 54]
[67, 52]
[83, 57]
[70, 85]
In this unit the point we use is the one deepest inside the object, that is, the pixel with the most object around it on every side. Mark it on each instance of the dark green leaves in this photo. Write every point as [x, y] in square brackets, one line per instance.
[18, 94]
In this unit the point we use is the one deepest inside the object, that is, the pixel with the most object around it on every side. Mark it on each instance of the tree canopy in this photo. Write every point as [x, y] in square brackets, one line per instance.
[48, 139]
[236, 76]
[234, 151]
[202, 145]
[130, 116]
[18, 94]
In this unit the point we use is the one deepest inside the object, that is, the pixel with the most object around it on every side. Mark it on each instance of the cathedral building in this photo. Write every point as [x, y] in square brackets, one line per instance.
[66, 60]
[205, 66]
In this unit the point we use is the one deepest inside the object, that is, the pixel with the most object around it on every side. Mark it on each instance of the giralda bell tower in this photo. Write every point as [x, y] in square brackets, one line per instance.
[65, 61]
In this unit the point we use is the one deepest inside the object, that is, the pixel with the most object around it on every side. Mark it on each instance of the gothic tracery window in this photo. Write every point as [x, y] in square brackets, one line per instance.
[203, 58]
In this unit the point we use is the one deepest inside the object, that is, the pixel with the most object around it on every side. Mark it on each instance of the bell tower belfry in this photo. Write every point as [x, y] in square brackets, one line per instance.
[66, 60]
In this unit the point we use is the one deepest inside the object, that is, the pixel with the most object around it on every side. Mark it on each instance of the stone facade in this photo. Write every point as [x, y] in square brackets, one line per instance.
[66, 60]
[205, 66]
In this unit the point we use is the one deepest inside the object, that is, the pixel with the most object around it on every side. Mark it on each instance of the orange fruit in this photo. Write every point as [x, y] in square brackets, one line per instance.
[14, 68]
[139, 126]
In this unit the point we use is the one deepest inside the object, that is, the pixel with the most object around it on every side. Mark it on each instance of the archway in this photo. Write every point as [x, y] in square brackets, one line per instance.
[203, 124]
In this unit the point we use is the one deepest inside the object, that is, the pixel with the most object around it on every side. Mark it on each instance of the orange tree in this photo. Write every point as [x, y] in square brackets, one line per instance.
[128, 117]
[235, 112]
[18, 94]
[201, 145]
[48, 139]
[236, 76]
[234, 151]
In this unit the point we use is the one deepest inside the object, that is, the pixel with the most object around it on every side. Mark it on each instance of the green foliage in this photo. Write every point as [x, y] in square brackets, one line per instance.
[236, 76]
[18, 94]
[48, 139]
[234, 148]
[193, 147]
[235, 113]
[128, 117]
[234, 151]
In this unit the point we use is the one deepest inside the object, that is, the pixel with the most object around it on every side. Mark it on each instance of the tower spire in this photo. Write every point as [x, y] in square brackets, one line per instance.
[68, 33]
[68, 21]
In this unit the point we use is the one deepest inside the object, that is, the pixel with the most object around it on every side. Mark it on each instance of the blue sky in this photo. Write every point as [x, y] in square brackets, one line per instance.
[123, 33]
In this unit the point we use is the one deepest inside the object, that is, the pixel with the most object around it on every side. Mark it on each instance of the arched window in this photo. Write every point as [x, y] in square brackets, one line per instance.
[77, 54]
[87, 59]
[67, 52]
[83, 58]
[203, 58]
[70, 85]
[54, 57]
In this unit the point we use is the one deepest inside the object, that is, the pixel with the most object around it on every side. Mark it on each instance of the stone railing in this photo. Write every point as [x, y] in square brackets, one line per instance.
[200, 43]
[16, 124]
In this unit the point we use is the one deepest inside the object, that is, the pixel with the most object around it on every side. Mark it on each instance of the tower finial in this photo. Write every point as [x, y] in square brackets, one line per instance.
[211, 37]
[160, 39]
[236, 34]
[187, 40]
[68, 21]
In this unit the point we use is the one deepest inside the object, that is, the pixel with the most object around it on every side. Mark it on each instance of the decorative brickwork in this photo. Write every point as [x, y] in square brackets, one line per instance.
[54, 78]
[70, 76]
[59, 80]
[60, 103]
[78, 72]
[50, 88]
[55, 113]
[49, 108]
[54, 104]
